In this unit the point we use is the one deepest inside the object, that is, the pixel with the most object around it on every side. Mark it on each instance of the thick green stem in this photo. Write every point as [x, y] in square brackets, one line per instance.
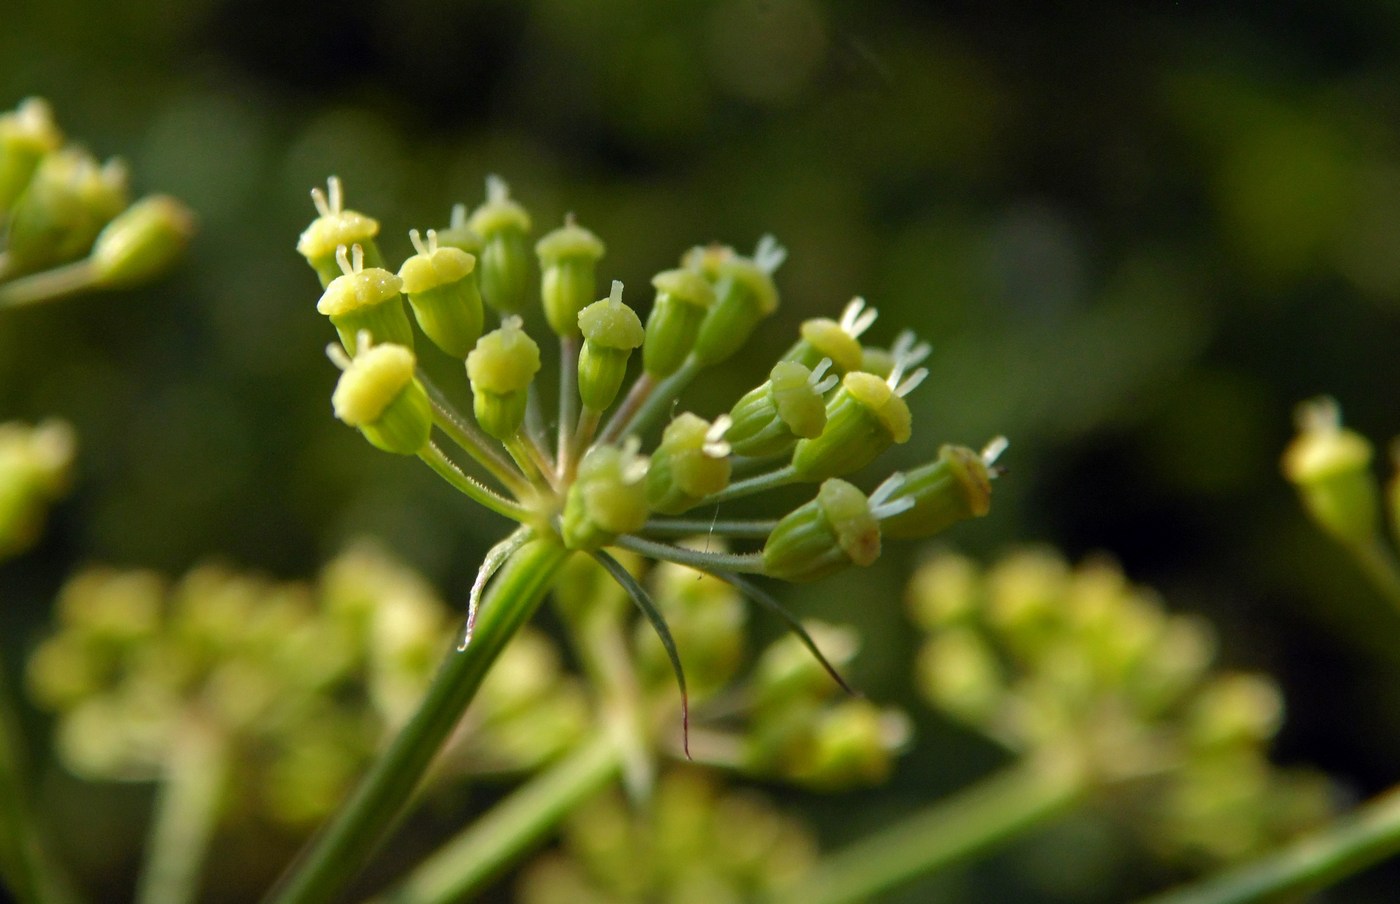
[187, 810]
[493, 843]
[993, 811]
[1364, 837]
[341, 849]
[659, 399]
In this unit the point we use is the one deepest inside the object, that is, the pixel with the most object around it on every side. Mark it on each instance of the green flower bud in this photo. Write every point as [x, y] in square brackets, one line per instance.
[504, 264]
[378, 394]
[365, 299]
[1331, 467]
[1235, 709]
[142, 241]
[691, 462]
[68, 201]
[839, 527]
[610, 331]
[607, 499]
[770, 419]
[744, 295]
[956, 486]
[34, 467]
[568, 258]
[27, 134]
[441, 289]
[334, 228]
[865, 417]
[458, 234]
[851, 743]
[787, 672]
[500, 369]
[837, 342]
[682, 298]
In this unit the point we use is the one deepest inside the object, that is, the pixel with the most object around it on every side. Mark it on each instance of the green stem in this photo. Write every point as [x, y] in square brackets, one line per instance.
[579, 443]
[1378, 563]
[751, 485]
[973, 821]
[659, 399]
[469, 437]
[1366, 836]
[27, 866]
[187, 810]
[342, 847]
[436, 459]
[498, 839]
[690, 527]
[568, 400]
[622, 416]
[47, 284]
[747, 563]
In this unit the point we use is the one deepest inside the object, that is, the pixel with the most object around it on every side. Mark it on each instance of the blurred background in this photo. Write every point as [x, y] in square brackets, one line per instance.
[1135, 236]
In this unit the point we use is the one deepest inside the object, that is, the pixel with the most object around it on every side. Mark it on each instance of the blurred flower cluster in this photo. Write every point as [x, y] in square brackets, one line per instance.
[1078, 665]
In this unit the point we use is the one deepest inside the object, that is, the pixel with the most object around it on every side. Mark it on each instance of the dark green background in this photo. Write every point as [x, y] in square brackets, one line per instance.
[1135, 234]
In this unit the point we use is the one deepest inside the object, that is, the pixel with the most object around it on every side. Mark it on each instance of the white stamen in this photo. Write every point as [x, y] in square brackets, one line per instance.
[906, 354]
[768, 255]
[513, 322]
[342, 257]
[992, 451]
[569, 219]
[887, 489]
[335, 194]
[417, 241]
[432, 241]
[338, 356]
[364, 339]
[318, 198]
[459, 216]
[857, 318]
[615, 296]
[911, 383]
[714, 445]
[496, 188]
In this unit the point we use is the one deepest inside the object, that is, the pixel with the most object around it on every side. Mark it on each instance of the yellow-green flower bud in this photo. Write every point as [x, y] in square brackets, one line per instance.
[1235, 709]
[365, 299]
[334, 228]
[607, 499]
[458, 234]
[34, 466]
[956, 486]
[504, 263]
[682, 297]
[568, 261]
[691, 462]
[378, 394]
[27, 133]
[142, 241]
[442, 290]
[865, 417]
[744, 295]
[851, 743]
[835, 341]
[770, 419]
[838, 528]
[1331, 467]
[68, 201]
[610, 331]
[500, 369]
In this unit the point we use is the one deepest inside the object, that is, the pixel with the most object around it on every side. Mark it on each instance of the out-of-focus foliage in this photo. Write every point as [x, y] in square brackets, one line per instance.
[1134, 235]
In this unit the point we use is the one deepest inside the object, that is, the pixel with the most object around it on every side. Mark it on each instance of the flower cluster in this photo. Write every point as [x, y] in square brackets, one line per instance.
[34, 466]
[827, 408]
[1077, 664]
[67, 222]
[292, 688]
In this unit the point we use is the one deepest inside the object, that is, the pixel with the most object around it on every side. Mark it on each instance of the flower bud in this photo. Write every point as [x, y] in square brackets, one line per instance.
[500, 369]
[682, 298]
[863, 419]
[34, 466]
[851, 743]
[378, 394]
[441, 288]
[334, 228]
[836, 529]
[365, 299]
[770, 419]
[568, 258]
[142, 241]
[1235, 709]
[68, 201]
[610, 331]
[27, 133]
[691, 462]
[787, 673]
[458, 234]
[504, 263]
[956, 486]
[608, 498]
[744, 295]
[836, 341]
[1331, 467]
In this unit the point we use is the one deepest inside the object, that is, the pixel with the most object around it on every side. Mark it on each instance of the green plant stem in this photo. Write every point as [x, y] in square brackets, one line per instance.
[27, 866]
[1365, 836]
[994, 810]
[568, 401]
[1379, 565]
[493, 843]
[187, 811]
[436, 459]
[642, 387]
[748, 563]
[660, 398]
[470, 438]
[341, 849]
[47, 284]
[689, 527]
[751, 485]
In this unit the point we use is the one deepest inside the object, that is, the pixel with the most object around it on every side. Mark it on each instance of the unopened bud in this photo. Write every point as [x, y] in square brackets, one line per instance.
[504, 262]
[568, 261]
[142, 241]
[682, 298]
[744, 295]
[691, 462]
[68, 201]
[607, 499]
[378, 394]
[441, 288]
[334, 228]
[27, 133]
[610, 331]
[1331, 467]
[365, 299]
[500, 369]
